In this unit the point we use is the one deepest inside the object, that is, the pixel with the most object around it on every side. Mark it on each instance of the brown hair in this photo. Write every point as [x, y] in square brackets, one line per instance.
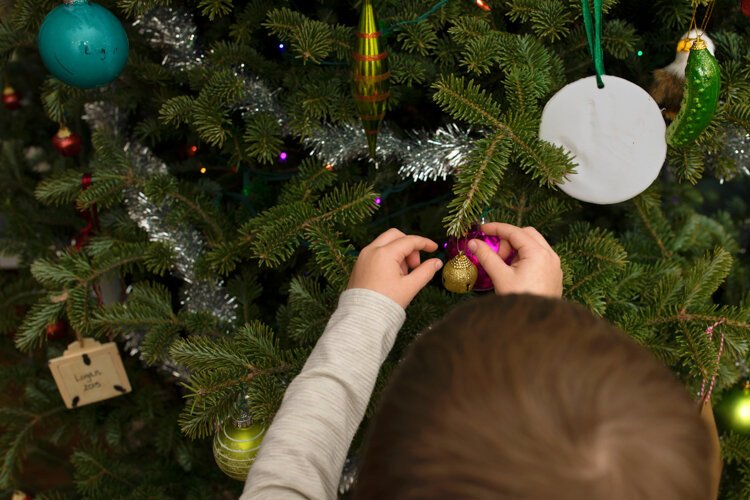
[523, 397]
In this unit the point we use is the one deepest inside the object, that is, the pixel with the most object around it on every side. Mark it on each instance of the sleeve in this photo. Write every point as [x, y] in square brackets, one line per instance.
[305, 448]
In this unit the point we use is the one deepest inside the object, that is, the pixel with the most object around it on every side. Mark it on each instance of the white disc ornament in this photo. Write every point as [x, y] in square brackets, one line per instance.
[616, 135]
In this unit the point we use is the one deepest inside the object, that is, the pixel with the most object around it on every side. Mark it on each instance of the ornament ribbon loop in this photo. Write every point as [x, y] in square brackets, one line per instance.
[706, 395]
[594, 37]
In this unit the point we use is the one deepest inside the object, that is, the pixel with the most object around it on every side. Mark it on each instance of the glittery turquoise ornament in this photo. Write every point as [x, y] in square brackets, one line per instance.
[83, 44]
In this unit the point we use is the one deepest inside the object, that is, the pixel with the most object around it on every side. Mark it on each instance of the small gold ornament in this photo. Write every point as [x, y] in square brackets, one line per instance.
[460, 274]
[236, 444]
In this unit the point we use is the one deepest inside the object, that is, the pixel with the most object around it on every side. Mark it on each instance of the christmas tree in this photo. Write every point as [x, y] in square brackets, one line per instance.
[203, 208]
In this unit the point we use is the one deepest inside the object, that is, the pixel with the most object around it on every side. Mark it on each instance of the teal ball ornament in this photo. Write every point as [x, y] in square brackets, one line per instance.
[83, 44]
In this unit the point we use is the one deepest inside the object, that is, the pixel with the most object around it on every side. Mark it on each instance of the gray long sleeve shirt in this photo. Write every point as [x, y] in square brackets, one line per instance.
[304, 449]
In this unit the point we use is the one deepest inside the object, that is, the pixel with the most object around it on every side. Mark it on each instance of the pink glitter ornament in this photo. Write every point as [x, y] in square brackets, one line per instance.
[455, 245]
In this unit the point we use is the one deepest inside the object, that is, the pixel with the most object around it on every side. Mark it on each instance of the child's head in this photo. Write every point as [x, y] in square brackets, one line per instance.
[522, 397]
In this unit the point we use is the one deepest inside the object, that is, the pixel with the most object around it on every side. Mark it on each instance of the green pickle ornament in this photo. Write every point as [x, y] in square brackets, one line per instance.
[83, 44]
[701, 97]
[236, 444]
[370, 86]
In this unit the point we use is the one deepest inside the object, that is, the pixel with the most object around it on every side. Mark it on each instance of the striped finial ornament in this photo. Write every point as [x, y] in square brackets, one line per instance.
[370, 75]
[235, 446]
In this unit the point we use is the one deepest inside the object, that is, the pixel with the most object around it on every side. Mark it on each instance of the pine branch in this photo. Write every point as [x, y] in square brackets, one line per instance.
[477, 183]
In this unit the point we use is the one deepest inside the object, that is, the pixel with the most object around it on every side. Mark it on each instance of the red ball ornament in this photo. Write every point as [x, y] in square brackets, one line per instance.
[456, 245]
[745, 7]
[20, 495]
[56, 331]
[11, 98]
[66, 142]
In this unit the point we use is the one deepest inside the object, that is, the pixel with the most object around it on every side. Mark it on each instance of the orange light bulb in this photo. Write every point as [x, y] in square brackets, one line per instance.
[482, 5]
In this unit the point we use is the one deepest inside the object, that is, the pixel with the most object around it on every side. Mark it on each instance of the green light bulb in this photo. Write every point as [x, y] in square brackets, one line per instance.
[742, 410]
[733, 411]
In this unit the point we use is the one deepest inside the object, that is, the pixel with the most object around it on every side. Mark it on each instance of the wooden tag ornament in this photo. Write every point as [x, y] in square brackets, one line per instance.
[88, 372]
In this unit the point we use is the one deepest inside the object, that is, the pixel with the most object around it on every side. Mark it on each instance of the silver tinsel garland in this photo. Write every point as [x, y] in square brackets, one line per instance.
[173, 32]
[260, 99]
[186, 242]
[436, 155]
[424, 155]
[736, 149]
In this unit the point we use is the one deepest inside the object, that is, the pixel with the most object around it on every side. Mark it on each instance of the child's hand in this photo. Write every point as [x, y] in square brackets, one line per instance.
[535, 268]
[383, 266]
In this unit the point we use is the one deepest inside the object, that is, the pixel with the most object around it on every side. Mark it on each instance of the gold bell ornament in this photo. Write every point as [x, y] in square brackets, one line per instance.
[460, 274]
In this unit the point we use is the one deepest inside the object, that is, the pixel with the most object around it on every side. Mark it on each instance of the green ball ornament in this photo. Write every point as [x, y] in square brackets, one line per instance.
[734, 409]
[235, 446]
[83, 44]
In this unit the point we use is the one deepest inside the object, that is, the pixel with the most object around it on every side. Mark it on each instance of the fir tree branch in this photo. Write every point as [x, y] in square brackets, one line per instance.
[204, 391]
[708, 319]
[18, 298]
[104, 471]
[217, 233]
[464, 207]
[665, 253]
[99, 272]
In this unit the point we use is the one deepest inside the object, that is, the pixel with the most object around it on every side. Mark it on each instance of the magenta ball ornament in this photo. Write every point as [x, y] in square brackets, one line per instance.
[456, 245]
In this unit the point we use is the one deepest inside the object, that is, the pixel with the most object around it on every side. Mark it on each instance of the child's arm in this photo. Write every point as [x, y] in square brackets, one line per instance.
[304, 449]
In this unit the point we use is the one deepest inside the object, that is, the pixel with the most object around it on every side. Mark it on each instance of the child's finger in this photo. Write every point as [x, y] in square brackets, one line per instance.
[423, 274]
[504, 250]
[498, 229]
[519, 239]
[391, 235]
[402, 247]
[495, 267]
[413, 260]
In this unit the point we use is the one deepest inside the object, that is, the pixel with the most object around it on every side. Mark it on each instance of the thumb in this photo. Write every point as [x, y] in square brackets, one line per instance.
[423, 274]
[492, 263]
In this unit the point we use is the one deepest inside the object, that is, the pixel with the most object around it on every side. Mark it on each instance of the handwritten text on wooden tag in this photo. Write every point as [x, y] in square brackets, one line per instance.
[89, 373]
